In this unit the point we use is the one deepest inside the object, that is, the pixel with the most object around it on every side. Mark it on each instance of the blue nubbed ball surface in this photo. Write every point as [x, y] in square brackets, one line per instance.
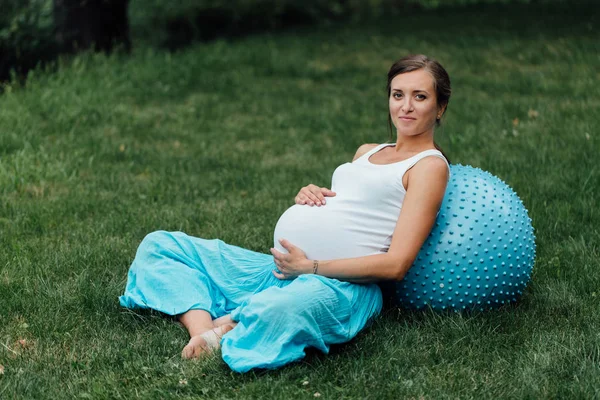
[480, 252]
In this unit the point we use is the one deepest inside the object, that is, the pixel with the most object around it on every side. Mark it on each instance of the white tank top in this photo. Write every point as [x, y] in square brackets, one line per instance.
[360, 219]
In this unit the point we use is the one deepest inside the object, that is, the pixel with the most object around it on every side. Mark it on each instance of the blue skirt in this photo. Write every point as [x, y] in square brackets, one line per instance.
[277, 320]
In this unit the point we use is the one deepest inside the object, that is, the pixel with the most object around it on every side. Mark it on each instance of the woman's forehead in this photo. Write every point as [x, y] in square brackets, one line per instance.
[414, 80]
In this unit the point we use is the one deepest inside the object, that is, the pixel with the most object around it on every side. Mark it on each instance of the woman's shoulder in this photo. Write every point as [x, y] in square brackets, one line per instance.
[429, 170]
[364, 149]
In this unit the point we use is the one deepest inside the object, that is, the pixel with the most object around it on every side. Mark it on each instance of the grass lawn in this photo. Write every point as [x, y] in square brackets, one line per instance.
[216, 141]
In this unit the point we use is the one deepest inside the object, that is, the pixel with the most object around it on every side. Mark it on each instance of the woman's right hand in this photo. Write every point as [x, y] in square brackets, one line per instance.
[312, 194]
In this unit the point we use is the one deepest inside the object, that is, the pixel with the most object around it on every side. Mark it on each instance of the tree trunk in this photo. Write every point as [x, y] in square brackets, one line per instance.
[98, 24]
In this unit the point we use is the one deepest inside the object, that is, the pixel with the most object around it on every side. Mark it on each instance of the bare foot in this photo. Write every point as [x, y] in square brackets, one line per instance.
[205, 343]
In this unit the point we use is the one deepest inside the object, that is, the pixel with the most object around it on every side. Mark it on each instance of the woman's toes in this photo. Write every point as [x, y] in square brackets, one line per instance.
[195, 348]
[187, 352]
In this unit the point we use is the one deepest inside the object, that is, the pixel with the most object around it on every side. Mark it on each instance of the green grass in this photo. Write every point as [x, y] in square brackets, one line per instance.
[217, 139]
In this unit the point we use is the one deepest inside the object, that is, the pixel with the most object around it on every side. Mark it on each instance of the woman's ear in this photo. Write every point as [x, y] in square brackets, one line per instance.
[442, 109]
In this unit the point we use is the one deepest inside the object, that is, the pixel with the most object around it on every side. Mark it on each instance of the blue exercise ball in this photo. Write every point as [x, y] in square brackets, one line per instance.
[480, 252]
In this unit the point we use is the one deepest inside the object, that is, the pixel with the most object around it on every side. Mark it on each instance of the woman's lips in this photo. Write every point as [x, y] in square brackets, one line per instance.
[407, 119]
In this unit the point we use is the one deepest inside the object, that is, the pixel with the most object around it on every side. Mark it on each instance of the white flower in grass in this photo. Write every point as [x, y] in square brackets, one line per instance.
[183, 382]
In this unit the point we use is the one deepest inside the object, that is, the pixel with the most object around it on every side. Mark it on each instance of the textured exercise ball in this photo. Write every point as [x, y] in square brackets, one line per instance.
[480, 252]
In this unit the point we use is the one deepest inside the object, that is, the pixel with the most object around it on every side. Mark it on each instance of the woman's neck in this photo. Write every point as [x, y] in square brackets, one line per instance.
[414, 144]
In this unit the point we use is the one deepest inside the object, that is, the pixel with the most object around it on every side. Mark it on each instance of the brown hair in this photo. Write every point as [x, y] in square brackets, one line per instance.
[441, 82]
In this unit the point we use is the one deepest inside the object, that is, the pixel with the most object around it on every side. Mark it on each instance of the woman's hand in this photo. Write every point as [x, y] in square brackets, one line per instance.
[292, 264]
[312, 194]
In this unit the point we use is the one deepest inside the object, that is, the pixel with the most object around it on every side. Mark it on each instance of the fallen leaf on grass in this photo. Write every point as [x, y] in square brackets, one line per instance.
[515, 122]
[1, 369]
[533, 113]
[25, 344]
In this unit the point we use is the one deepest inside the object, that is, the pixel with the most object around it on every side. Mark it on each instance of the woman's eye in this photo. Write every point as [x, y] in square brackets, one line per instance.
[421, 97]
[397, 95]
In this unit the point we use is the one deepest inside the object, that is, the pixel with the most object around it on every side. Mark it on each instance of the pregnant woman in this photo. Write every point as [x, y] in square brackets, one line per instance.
[318, 285]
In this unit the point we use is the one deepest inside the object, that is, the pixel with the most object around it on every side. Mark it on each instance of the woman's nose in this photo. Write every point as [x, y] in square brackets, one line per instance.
[406, 106]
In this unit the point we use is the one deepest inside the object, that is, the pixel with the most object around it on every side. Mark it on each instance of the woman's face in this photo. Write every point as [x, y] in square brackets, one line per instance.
[413, 103]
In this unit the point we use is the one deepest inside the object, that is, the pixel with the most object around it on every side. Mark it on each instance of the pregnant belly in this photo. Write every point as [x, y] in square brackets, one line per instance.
[327, 232]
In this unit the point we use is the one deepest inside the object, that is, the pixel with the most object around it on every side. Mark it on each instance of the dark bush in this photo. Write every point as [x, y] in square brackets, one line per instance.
[174, 24]
[35, 31]
[84, 24]
[26, 35]
[29, 34]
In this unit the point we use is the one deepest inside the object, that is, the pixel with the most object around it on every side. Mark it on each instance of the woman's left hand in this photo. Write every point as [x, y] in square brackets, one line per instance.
[290, 265]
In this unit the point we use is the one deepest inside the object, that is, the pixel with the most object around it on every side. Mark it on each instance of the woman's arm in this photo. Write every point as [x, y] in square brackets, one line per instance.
[424, 195]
